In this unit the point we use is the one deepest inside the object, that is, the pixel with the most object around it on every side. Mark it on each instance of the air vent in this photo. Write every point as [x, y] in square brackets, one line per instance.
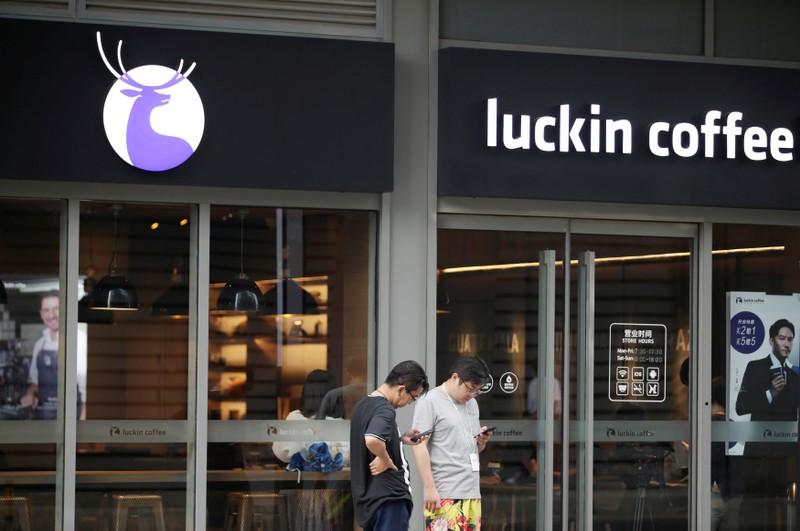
[356, 18]
[43, 8]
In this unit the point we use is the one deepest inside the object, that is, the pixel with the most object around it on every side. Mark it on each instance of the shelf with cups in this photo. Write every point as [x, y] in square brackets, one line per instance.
[259, 353]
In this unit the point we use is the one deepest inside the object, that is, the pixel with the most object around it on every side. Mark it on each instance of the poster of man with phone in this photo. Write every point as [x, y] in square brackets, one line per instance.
[765, 389]
[762, 363]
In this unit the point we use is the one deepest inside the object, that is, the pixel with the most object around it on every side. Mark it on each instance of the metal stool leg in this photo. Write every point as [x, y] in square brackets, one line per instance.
[17, 508]
[247, 511]
[124, 502]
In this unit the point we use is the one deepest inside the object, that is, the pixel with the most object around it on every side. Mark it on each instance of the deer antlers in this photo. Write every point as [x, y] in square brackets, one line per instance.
[128, 79]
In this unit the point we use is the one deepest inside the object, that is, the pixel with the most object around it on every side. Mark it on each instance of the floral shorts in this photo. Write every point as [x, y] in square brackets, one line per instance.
[455, 515]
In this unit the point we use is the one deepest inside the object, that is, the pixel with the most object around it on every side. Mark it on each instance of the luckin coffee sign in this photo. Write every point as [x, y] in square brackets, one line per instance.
[721, 134]
[528, 125]
[153, 115]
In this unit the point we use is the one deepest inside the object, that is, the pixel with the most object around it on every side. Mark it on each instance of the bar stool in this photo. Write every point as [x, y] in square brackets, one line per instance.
[246, 511]
[130, 505]
[16, 507]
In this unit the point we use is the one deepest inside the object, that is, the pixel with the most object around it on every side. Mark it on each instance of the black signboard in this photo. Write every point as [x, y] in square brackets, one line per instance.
[279, 112]
[568, 127]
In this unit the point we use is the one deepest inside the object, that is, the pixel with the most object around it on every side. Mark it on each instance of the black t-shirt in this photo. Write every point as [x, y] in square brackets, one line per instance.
[374, 416]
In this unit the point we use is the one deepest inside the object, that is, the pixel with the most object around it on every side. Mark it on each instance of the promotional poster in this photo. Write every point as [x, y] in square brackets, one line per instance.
[750, 317]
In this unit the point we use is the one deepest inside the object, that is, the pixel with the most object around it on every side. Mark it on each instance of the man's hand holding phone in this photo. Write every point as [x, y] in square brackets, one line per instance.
[486, 432]
[483, 437]
[419, 436]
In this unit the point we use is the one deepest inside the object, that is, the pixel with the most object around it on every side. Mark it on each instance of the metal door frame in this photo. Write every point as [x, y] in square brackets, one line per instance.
[574, 430]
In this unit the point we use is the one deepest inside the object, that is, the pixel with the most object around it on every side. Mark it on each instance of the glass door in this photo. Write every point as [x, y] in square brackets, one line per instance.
[585, 326]
[500, 297]
[631, 317]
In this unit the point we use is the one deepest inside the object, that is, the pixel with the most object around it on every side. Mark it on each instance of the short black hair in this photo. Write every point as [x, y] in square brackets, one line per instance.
[471, 369]
[318, 383]
[775, 329]
[409, 374]
[718, 390]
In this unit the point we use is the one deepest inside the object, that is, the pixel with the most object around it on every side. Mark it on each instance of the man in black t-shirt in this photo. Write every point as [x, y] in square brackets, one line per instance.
[380, 479]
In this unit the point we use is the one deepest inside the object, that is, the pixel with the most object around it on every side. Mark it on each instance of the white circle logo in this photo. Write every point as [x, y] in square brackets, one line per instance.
[509, 382]
[153, 115]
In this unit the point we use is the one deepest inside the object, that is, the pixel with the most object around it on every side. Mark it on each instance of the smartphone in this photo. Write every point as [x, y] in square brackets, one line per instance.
[487, 430]
[419, 436]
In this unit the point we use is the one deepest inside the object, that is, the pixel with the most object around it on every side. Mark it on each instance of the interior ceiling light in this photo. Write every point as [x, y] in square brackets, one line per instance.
[114, 291]
[610, 259]
[287, 297]
[85, 312]
[240, 294]
[174, 302]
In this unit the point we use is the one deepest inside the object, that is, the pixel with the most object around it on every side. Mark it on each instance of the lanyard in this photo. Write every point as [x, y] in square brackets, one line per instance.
[464, 429]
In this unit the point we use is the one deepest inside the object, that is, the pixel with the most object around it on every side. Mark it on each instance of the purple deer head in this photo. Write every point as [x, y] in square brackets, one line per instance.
[148, 149]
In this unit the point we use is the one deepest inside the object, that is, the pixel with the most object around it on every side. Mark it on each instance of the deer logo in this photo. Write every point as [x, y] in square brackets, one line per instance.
[153, 116]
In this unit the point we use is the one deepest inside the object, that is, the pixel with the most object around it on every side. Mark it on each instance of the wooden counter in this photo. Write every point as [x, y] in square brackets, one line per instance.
[176, 477]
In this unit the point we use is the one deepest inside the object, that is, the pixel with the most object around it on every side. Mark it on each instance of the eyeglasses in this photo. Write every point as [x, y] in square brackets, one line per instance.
[471, 390]
[413, 398]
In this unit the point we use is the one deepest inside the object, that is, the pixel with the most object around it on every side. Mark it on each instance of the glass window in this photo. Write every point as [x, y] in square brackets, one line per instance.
[137, 358]
[29, 319]
[674, 26]
[134, 380]
[289, 350]
[754, 30]
[755, 311]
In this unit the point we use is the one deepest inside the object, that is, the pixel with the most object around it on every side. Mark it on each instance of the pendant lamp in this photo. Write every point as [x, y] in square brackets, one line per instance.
[287, 297]
[85, 312]
[3, 293]
[174, 302]
[114, 291]
[241, 293]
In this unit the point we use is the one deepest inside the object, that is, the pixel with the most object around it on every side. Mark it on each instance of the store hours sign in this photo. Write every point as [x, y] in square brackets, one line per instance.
[638, 362]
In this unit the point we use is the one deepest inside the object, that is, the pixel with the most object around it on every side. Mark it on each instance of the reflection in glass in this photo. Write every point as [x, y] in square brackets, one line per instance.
[28, 483]
[130, 483]
[642, 289]
[137, 367]
[29, 246]
[487, 305]
[755, 490]
[303, 357]
[29, 321]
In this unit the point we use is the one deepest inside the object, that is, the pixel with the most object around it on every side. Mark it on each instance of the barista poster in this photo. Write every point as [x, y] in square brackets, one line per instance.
[750, 316]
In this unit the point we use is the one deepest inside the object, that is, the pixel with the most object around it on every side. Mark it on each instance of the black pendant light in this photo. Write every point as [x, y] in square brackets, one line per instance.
[241, 293]
[287, 297]
[3, 293]
[114, 291]
[174, 302]
[85, 312]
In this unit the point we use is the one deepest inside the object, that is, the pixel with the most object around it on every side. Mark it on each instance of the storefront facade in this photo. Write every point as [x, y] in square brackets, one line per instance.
[606, 217]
